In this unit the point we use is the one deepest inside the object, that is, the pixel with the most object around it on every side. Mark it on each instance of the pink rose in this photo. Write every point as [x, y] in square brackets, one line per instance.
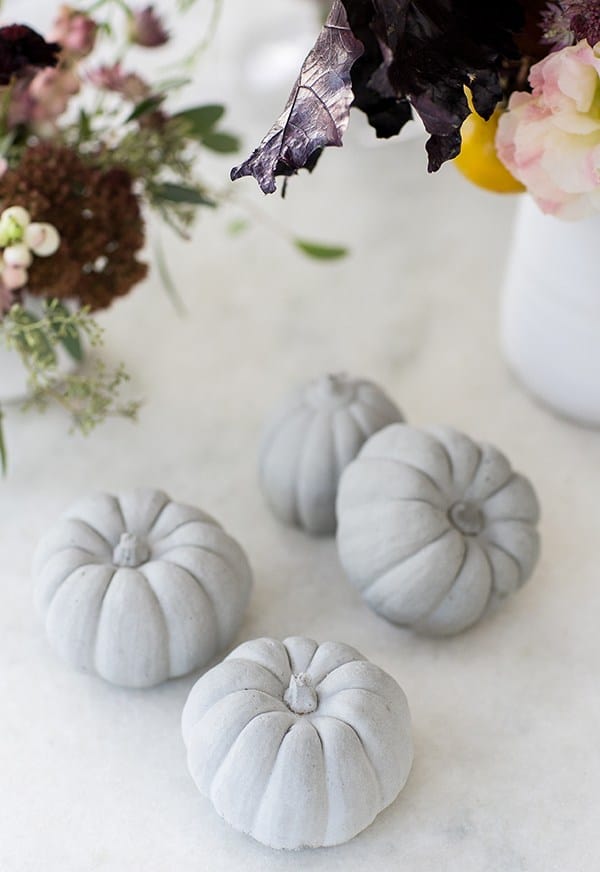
[550, 139]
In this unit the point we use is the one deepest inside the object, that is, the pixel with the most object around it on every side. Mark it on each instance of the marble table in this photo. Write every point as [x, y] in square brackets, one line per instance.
[506, 717]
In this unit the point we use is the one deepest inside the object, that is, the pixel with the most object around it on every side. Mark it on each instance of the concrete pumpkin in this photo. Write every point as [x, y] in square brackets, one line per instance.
[139, 589]
[433, 526]
[310, 440]
[298, 744]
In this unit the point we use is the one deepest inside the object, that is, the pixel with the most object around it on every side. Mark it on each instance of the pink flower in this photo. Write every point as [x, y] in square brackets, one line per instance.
[74, 31]
[112, 78]
[44, 98]
[550, 139]
[147, 29]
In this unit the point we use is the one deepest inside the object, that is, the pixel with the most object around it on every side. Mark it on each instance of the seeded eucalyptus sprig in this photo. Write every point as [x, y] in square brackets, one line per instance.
[88, 396]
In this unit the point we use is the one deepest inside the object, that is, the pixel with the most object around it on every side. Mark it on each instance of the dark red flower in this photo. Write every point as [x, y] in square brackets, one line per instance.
[21, 48]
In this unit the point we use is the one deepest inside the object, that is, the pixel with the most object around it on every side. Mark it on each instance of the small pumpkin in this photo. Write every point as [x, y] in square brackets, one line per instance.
[310, 440]
[298, 744]
[433, 527]
[138, 588]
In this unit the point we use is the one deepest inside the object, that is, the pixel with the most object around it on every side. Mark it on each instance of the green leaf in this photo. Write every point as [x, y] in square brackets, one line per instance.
[238, 226]
[66, 333]
[6, 142]
[181, 194]
[223, 143]
[320, 252]
[3, 458]
[144, 107]
[85, 127]
[200, 120]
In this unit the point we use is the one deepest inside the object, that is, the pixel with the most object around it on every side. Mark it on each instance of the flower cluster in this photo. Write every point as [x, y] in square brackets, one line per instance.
[550, 138]
[21, 239]
[100, 223]
[86, 145]
[502, 85]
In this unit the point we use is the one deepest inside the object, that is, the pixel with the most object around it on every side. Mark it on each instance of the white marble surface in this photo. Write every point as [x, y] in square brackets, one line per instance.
[506, 717]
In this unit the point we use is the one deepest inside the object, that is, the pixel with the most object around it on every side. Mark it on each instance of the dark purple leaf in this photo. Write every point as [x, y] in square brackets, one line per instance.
[317, 112]
[21, 48]
[424, 53]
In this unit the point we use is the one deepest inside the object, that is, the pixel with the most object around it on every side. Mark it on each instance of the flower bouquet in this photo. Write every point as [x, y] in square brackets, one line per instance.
[509, 90]
[87, 147]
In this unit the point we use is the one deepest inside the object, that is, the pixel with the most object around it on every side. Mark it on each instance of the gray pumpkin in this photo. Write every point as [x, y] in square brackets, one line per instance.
[432, 526]
[298, 744]
[138, 589]
[310, 440]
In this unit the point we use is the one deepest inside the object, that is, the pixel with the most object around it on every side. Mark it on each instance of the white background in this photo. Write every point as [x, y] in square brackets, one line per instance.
[506, 717]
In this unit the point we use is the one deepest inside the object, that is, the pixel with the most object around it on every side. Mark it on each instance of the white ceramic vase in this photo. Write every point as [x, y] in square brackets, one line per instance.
[550, 317]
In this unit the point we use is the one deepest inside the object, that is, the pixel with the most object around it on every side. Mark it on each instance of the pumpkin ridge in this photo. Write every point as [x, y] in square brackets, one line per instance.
[371, 405]
[158, 517]
[197, 581]
[260, 804]
[238, 737]
[412, 466]
[205, 549]
[260, 666]
[365, 590]
[339, 419]
[150, 582]
[373, 408]
[424, 620]
[448, 457]
[117, 504]
[93, 531]
[390, 598]
[513, 557]
[304, 460]
[269, 775]
[376, 777]
[495, 492]
[477, 467]
[463, 561]
[354, 690]
[325, 815]
[341, 666]
[360, 423]
[310, 662]
[94, 645]
[179, 526]
[279, 428]
[67, 573]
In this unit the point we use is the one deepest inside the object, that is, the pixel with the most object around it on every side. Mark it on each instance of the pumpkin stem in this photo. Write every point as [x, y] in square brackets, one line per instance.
[467, 517]
[131, 551]
[301, 697]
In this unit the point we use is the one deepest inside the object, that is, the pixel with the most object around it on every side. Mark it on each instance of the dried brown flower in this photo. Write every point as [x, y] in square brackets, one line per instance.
[97, 215]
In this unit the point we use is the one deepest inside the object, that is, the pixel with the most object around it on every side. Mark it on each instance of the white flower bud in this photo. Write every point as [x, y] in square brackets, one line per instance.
[18, 255]
[14, 277]
[42, 239]
[18, 214]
